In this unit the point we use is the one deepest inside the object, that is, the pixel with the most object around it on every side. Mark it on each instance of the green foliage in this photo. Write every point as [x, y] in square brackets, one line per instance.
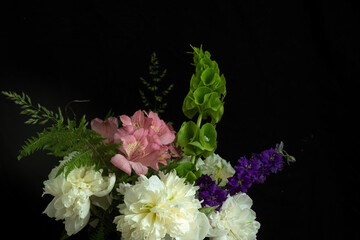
[97, 233]
[38, 114]
[205, 99]
[207, 89]
[79, 159]
[208, 210]
[64, 137]
[59, 139]
[104, 229]
[154, 96]
[280, 149]
[197, 141]
[188, 171]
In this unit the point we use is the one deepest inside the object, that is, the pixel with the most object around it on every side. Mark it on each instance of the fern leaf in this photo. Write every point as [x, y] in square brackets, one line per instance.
[33, 144]
[61, 140]
[79, 159]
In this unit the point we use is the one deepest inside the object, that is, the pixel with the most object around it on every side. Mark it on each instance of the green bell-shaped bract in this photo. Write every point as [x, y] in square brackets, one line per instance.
[214, 107]
[208, 137]
[205, 98]
[207, 89]
[189, 107]
[201, 94]
[197, 141]
[187, 134]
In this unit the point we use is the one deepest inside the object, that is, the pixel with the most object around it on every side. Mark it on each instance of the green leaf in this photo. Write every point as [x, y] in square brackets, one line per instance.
[190, 177]
[97, 233]
[64, 235]
[208, 210]
[188, 171]
[184, 168]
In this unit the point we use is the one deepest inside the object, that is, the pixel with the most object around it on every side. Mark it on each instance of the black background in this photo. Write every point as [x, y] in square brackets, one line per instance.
[291, 70]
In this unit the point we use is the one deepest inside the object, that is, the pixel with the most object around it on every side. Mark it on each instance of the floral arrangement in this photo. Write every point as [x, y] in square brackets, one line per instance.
[136, 178]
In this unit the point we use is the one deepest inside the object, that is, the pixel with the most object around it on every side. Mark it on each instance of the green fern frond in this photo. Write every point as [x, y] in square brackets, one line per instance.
[79, 159]
[60, 140]
[64, 137]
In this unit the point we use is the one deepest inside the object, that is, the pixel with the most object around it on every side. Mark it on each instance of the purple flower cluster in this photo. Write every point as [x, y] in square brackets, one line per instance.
[247, 172]
[254, 170]
[209, 192]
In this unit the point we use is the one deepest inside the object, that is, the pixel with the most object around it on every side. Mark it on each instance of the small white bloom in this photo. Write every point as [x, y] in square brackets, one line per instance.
[157, 208]
[235, 220]
[216, 167]
[71, 201]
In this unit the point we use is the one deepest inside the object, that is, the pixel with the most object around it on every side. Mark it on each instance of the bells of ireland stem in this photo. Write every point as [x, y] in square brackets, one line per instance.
[206, 100]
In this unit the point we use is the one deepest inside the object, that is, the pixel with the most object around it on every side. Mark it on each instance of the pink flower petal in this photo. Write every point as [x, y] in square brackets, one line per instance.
[105, 128]
[122, 163]
[125, 120]
[139, 168]
[151, 159]
[140, 133]
[138, 119]
[127, 141]
[174, 151]
[165, 133]
[167, 138]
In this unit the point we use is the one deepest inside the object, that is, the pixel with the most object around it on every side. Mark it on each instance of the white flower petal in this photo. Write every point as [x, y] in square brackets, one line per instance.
[109, 184]
[199, 229]
[236, 217]
[75, 224]
[216, 167]
[72, 194]
[159, 207]
[123, 187]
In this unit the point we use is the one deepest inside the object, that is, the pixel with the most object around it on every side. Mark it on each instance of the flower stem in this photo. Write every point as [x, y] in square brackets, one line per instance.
[198, 123]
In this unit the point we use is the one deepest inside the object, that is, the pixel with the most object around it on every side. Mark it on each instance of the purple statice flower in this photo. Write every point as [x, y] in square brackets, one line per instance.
[254, 170]
[209, 192]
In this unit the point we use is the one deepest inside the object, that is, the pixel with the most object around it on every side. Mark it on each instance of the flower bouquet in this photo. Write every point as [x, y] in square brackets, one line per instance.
[136, 178]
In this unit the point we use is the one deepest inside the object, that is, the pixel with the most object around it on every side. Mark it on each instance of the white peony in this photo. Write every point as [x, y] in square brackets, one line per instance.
[235, 220]
[216, 167]
[158, 208]
[71, 201]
